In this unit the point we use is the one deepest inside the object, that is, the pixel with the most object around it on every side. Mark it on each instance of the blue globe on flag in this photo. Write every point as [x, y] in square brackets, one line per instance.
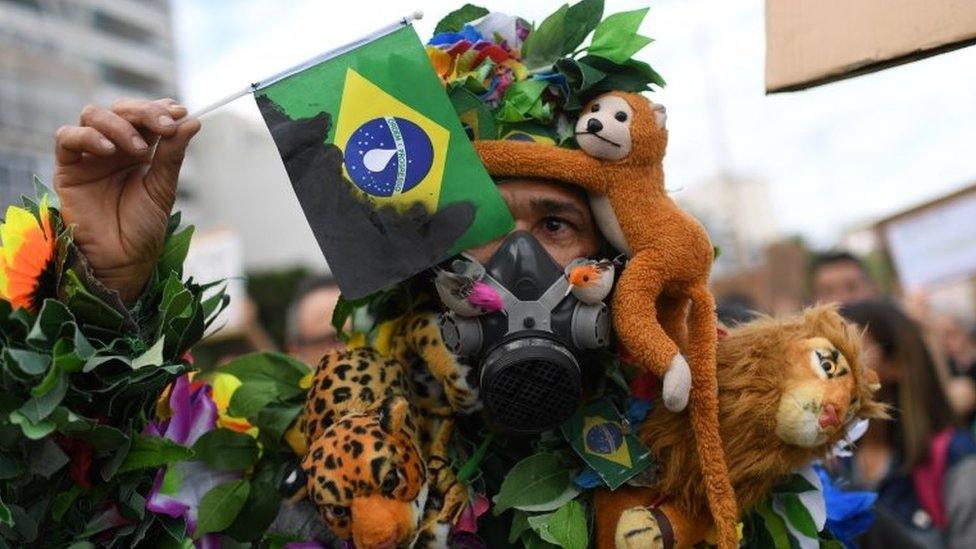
[604, 438]
[388, 156]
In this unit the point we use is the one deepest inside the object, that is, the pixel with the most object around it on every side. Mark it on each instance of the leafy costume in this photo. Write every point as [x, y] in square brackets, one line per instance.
[106, 438]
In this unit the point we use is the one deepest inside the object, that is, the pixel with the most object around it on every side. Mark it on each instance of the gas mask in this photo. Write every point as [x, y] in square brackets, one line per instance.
[530, 344]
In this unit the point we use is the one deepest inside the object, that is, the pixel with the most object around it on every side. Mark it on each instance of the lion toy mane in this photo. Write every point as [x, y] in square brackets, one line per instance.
[789, 390]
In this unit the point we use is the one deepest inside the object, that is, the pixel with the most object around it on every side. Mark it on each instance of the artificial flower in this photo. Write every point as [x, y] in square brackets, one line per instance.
[466, 34]
[224, 386]
[848, 513]
[503, 28]
[468, 521]
[179, 487]
[26, 256]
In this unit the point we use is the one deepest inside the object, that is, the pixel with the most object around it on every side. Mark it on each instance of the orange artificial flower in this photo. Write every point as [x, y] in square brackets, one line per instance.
[26, 255]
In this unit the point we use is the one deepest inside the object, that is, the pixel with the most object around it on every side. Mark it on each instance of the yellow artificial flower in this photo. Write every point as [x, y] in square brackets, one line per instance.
[26, 255]
[224, 386]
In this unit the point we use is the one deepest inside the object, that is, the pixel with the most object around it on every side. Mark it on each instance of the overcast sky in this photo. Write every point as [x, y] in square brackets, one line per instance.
[835, 156]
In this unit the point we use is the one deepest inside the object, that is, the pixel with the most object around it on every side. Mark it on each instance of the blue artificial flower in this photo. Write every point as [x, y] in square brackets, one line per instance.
[587, 479]
[848, 513]
[448, 38]
[637, 410]
[557, 79]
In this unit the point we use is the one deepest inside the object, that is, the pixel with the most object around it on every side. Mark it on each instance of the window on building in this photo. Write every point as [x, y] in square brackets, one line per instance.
[120, 28]
[29, 4]
[125, 78]
[16, 177]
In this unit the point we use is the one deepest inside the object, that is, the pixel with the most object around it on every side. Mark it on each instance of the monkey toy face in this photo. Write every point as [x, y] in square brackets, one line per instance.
[605, 128]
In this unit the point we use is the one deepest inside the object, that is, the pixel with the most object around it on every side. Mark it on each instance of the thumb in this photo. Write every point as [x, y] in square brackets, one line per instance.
[164, 170]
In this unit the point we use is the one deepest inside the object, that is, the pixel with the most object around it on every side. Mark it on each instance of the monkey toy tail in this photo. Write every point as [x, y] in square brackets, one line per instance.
[704, 417]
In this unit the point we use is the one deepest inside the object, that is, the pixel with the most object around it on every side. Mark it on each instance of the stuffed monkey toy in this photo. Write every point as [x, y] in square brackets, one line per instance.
[662, 297]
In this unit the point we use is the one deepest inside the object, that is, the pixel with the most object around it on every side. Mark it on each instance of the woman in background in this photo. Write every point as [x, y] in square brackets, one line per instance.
[921, 464]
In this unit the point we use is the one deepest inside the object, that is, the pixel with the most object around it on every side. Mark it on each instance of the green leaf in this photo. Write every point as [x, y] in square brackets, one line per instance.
[226, 450]
[62, 502]
[49, 393]
[544, 44]
[581, 19]
[531, 540]
[275, 419]
[152, 357]
[260, 509]
[568, 526]
[31, 430]
[632, 76]
[774, 525]
[5, 516]
[220, 506]
[251, 397]
[111, 466]
[27, 362]
[266, 366]
[50, 319]
[796, 484]
[10, 467]
[798, 515]
[148, 452]
[520, 523]
[174, 253]
[40, 190]
[616, 38]
[45, 458]
[454, 21]
[535, 483]
[540, 525]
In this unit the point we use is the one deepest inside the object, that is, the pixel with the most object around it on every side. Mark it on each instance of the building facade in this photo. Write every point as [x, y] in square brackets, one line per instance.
[57, 56]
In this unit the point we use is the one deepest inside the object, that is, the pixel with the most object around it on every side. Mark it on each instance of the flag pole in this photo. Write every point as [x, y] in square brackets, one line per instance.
[254, 86]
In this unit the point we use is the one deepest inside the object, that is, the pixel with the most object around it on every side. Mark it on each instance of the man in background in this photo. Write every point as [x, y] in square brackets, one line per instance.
[840, 277]
[308, 325]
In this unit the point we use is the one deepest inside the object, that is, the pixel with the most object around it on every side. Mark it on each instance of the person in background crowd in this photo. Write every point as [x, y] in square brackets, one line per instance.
[956, 338]
[308, 325]
[922, 465]
[735, 308]
[840, 277]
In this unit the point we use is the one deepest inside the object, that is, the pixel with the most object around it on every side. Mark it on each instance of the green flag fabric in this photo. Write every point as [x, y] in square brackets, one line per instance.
[385, 174]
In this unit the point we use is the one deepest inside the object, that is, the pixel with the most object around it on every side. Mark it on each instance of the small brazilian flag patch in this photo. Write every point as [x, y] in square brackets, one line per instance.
[599, 435]
[383, 170]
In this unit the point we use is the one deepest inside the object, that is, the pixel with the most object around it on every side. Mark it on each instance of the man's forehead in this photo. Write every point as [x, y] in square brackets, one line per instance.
[542, 194]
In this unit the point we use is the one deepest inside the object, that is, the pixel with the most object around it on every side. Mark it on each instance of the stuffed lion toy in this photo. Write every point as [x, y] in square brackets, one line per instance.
[789, 389]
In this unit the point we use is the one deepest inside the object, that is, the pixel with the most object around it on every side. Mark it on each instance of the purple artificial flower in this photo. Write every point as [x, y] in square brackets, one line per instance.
[179, 487]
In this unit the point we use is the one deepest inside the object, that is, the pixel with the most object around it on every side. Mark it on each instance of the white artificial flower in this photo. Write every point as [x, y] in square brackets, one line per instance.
[501, 24]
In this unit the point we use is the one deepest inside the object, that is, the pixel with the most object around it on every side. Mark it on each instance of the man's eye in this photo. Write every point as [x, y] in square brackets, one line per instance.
[555, 224]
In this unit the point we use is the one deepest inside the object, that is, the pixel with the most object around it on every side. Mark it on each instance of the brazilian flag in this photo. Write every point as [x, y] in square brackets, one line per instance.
[384, 172]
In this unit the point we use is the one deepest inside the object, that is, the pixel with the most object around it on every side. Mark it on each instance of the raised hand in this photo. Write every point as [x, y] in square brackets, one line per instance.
[116, 174]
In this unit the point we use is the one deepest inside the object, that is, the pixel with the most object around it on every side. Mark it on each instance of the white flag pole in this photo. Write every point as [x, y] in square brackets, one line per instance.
[402, 22]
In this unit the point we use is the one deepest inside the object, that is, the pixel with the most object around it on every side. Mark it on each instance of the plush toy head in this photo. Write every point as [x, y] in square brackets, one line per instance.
[366, 475]
[610, 124]
[789, 389]
[821, 395]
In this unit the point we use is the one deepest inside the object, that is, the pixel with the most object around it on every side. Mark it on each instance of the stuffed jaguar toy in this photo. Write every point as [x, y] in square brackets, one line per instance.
[377, 430]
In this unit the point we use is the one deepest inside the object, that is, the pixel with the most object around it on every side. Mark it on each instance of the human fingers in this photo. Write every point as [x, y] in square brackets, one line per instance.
[71, 142]
[152, 115]
[164, 171]
[119, 130]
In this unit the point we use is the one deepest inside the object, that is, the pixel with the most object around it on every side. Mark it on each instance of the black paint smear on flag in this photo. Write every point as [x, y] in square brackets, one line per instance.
[368, 248]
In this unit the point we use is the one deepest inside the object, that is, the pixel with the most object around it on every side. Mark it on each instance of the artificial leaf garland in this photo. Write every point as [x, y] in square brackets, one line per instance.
[106, 436]
[509, 79]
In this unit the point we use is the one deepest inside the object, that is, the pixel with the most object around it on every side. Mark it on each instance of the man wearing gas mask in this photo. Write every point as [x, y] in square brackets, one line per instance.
[531, 359]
